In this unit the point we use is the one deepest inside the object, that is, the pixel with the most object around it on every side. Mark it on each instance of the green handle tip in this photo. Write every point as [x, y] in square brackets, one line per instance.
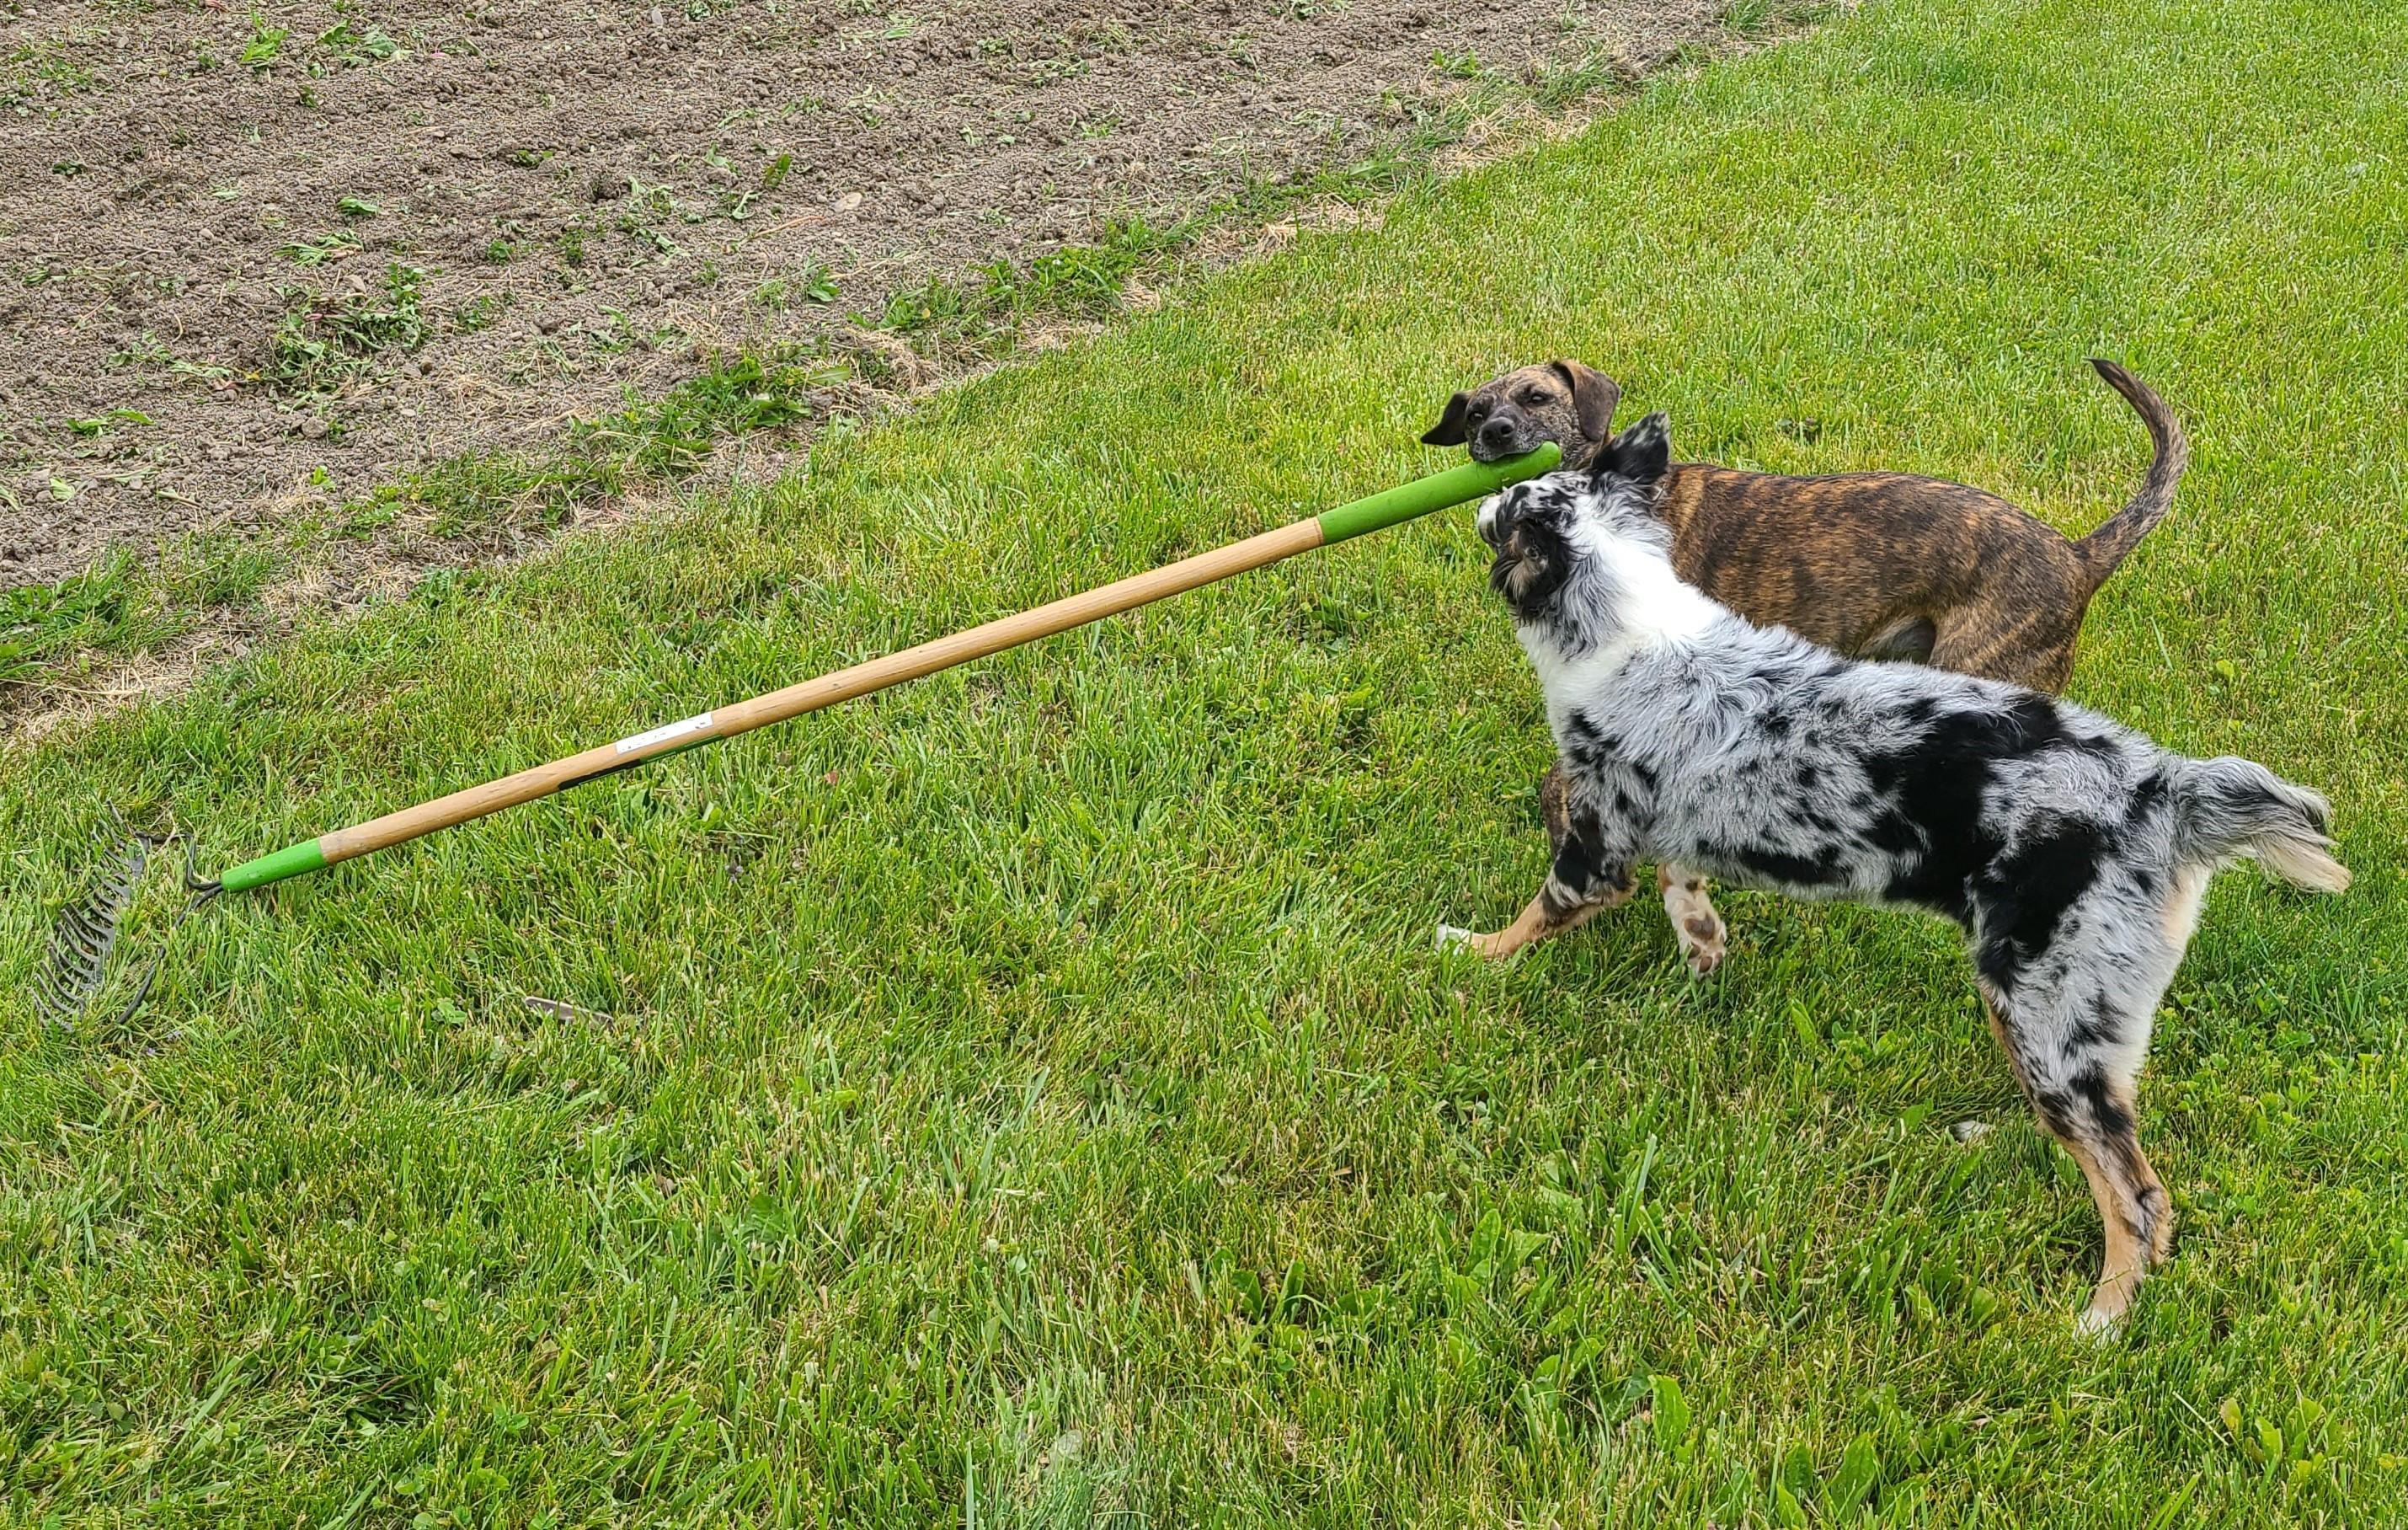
[1465, 481]
[292, 861]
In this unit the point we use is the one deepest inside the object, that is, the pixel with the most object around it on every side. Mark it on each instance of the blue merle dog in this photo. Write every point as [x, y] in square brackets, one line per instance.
[2073, 852]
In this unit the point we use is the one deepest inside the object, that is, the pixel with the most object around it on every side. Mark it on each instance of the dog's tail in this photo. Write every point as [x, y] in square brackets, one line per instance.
[2111, 544]
[2230, 808]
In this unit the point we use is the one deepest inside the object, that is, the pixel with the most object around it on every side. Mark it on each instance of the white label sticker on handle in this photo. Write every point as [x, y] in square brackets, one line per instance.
[665, 732]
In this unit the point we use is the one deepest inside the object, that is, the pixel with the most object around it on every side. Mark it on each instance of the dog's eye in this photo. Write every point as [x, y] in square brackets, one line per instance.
[1476, 411]
[1534, 398]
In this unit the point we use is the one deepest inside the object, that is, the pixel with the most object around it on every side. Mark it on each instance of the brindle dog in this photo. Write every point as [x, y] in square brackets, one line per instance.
[1874, 565]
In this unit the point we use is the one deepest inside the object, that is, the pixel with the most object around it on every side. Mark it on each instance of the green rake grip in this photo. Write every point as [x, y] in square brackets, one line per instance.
[1391, 507]
[292, 861]
[1406, 501]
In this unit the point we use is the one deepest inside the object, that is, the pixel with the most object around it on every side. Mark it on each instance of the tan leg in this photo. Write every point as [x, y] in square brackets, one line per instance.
[2136, 1216]
[1696, 926]
[1537, 923]
[2138, 1221]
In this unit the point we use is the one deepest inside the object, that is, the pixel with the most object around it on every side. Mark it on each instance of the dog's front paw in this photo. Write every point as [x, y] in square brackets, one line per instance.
[1704, 943]
[1454, 937]
[1697, 929]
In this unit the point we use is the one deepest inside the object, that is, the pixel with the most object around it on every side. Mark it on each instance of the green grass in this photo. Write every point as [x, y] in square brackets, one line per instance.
[1031, 1095]
[116, 609]
[659, 441]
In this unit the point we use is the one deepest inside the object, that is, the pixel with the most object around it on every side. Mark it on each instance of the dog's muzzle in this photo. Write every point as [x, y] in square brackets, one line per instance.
[1504, 434]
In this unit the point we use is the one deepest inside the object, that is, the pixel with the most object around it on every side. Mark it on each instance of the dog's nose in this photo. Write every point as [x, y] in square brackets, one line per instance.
[1499, 431]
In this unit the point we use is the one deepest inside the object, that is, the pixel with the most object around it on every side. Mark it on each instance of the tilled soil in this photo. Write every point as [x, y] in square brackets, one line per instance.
[257, 260]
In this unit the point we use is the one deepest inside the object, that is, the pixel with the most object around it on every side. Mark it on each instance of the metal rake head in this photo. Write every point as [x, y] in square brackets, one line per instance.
[76, 968]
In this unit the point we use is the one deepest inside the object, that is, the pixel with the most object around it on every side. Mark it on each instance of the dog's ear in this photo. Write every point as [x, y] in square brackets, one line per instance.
[1594, 397]
[1641, 454]
[1449, 429]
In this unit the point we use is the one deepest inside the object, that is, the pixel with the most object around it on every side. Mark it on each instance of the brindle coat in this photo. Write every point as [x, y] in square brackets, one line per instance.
[1873, 565]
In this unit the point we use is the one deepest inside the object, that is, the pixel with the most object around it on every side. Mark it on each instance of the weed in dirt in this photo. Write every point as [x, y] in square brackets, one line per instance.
[478, 312]
[670, 437]
[38, 74]
[103, 425]
[85, 611]
[1464, 64]
[632, 223]
[118, 608]
[320, 341]
[1558, 85]
[216, 569]
[984, 315]
[813, 283]
[319, 250]
[1760, 18]
[355, 45]
[265, 46]
[145, 353]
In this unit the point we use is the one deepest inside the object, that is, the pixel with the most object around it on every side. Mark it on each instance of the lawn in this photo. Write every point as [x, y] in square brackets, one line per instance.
[1033, 1094]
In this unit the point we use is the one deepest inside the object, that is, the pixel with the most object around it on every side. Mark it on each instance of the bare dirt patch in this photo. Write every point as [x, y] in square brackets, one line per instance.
[257, 261]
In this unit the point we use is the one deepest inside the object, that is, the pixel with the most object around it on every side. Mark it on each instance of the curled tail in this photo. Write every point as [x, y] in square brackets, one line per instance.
[2232, 808]
[2108, 546]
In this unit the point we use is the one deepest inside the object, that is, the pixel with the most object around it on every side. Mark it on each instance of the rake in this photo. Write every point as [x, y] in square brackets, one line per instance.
[86, 936]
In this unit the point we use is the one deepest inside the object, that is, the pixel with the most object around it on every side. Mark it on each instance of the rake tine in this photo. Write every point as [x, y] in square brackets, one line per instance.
[83, 932]
[48, 1001]
[68, 939]
[86, 934]
[85, 937]
[62, 984]
[75, 967]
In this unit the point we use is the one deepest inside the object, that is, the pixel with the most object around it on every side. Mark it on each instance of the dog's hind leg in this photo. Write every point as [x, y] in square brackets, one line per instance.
[2073, 1017]
[2134, 1211]
[2089, 1108]
[1695, 925]
[1543, 917]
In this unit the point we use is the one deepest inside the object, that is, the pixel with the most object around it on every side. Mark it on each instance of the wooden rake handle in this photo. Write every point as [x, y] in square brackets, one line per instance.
[1405, 502]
